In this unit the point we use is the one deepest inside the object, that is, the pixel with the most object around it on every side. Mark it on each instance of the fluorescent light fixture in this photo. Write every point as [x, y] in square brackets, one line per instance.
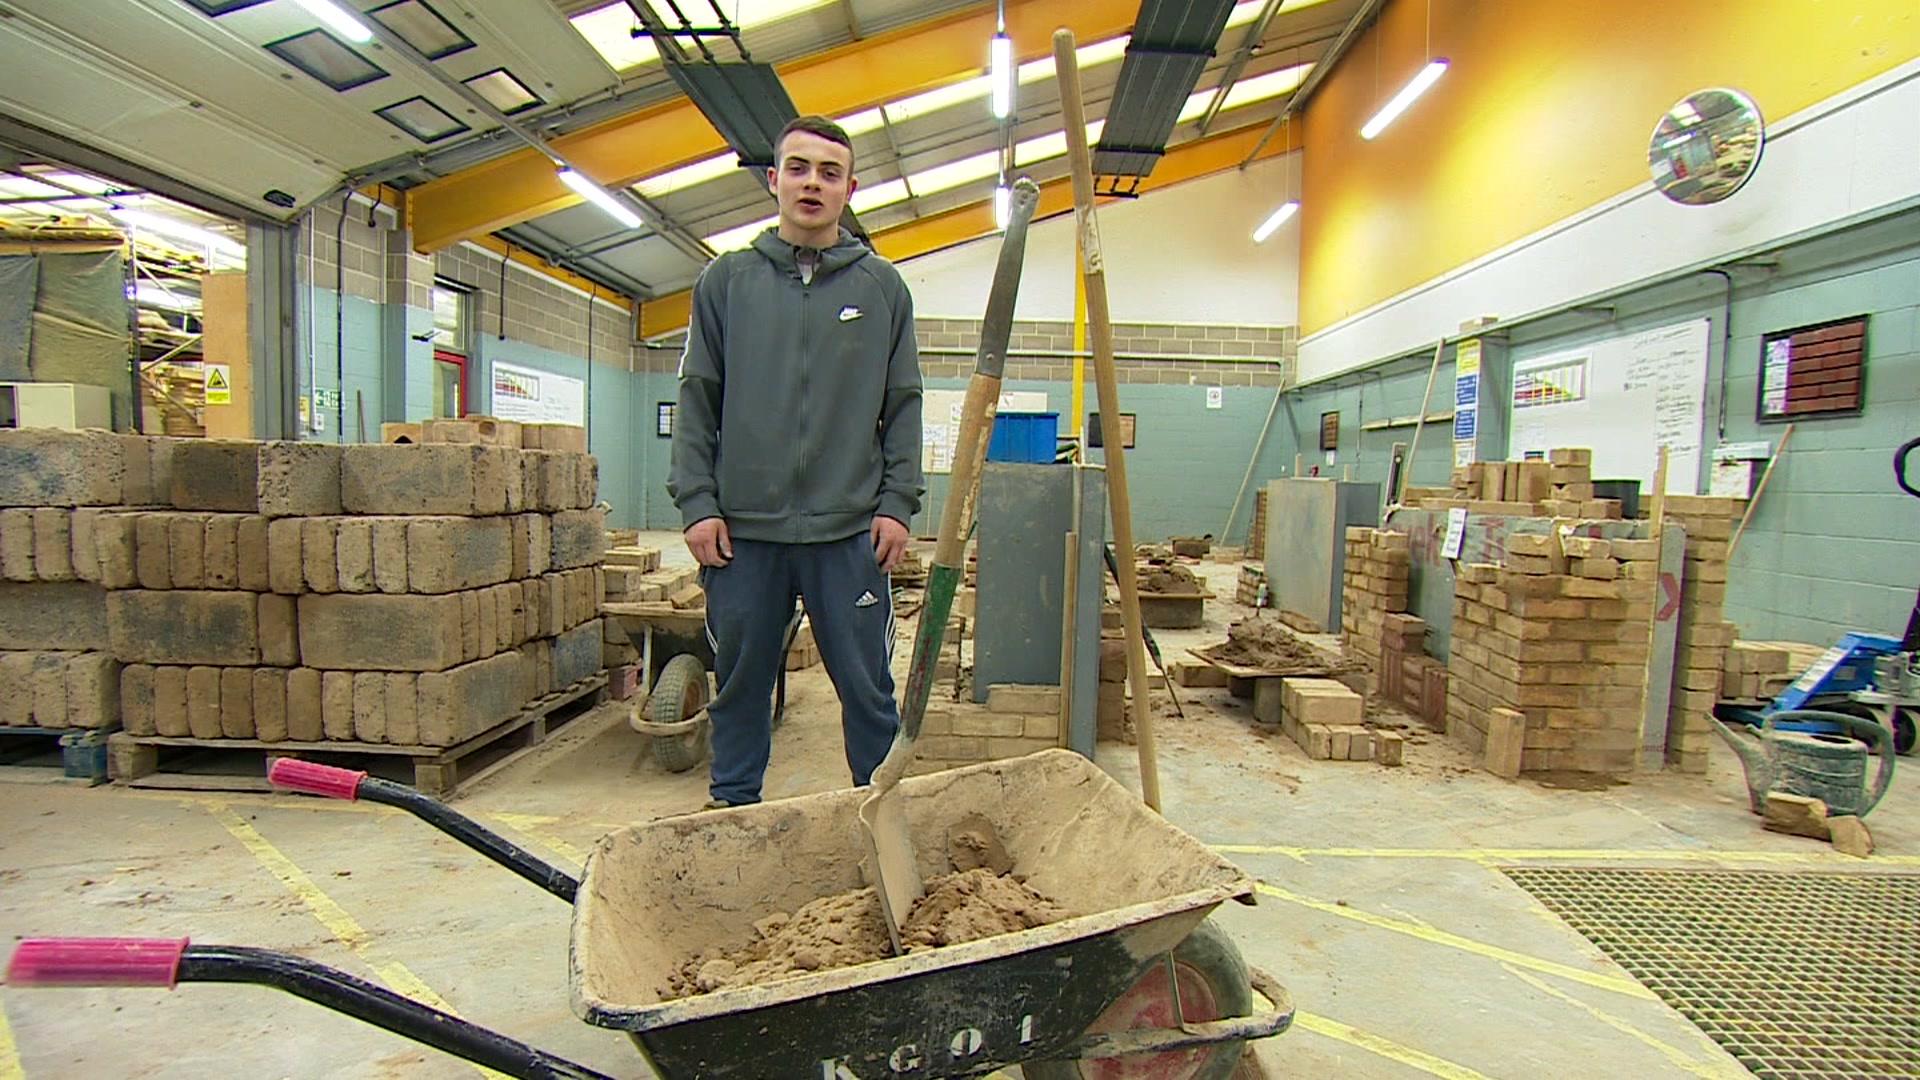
[872, 197]
[159, 296]
[739, 237]
[609, 27]
[178, 231]
[686, 176]
[1002, 206]
[1407, 96]
[1247, 91]
[1277, 219]
[861, 122]
[600, 197]
[1000, 70]
[1042, 147]
[337, 18]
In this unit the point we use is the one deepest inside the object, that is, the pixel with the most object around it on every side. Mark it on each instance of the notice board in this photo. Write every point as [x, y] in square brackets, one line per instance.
[1623, 398]
[531, 396]
[940, 422]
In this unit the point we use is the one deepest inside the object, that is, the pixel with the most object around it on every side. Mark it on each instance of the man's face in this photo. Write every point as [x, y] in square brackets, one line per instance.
[812, 180]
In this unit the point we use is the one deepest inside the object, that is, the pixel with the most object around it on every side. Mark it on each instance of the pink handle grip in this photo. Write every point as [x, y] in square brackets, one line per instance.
[96, 962]
[315, 779]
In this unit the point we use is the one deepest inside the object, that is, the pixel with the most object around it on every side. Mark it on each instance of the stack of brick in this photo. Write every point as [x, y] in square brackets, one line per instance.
[1700, 656]
[1325, 718]
[1755, 671]
[1559, 486]
[1016, 720]
[1560, 635]
[1252, 588]
[405, 594]
[56, 667]
[1374, 585]
[1257, 537]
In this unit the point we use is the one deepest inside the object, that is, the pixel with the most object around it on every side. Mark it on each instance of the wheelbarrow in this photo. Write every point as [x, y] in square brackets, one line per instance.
[675, 656]
[1056, 997]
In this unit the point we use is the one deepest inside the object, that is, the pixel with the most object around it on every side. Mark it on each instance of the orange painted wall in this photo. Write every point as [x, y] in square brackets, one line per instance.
[1545, 111]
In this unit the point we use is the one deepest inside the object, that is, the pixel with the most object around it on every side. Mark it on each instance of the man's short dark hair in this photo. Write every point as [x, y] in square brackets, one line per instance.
[815, 125]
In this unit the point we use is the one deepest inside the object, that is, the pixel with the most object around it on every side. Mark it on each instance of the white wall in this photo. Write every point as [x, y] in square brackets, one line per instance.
[1184, 254]
[1852, 155]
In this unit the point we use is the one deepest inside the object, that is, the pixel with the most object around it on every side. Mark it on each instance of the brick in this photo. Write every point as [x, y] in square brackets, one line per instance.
[279, 630]
[305, 705]
[486, 624]
[951, 747]
[402, 708]
[138, 464]
[1640, 571]
[1015, 699]
[286, 556]
[319, 542]
[236, 703]
[517, 616]
[52, 536]
[93, 691]
[353, 555]
[1596, 569]
[1634, 550]
[998, 749]
[52, 467]
[1600, 509]
[16, 689]
[492, 466]
[540, 545]
[1564, 608]
[576, 654]
[1043, 727]
[533, 600]
[521, 540]
[1710, 572]
[1570, 456]
[1529, 544]
[1506, 738]
[1587, 547]
[16, 545]
[984, 724]
[586, 477]
[1360, 746]
[1389, 747]
[186, 546]
[1268, 697]
[114, 537]
[269, 700]
[336, 705]
[553, 615]
[136, 699]
[153, 562]
[579, 538]
[558, 482]
[448, 554]
[53, 615]
[203, 702]
[402, 479]
[483, 430]
[49, 689]
[1582, 588]
[370, 707]
[470, 626]
[184, 626]
[377, 632]
[220, 551]
[216, 474]
[467, 700]
[1530, 564]
[570, 438]
[299, 479]
[388, 540]
[170, 702]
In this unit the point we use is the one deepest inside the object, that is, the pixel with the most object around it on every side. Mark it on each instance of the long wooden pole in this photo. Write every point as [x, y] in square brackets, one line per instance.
[1759, 490]
[1398, 495]
[1100, 324]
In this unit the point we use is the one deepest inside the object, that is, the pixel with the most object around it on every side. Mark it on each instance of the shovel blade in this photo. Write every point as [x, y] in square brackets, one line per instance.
[897, 877]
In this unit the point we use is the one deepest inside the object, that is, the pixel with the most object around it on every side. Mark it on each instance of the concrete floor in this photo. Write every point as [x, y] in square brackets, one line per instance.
[1382, 907]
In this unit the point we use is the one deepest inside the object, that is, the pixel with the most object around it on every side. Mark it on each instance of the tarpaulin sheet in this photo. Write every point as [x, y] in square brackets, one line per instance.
[80, 332]
[19, 275]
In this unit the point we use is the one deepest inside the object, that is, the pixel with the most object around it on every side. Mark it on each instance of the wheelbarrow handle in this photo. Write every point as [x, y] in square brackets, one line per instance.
[314, 778]
[42, 962]
[1161, 1040]
[96, 962]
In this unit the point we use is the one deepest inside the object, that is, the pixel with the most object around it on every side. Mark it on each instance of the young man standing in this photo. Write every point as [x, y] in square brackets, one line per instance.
[796, 459]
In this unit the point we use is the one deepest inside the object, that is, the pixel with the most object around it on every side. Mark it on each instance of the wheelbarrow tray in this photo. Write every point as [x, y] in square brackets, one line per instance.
[654, 895]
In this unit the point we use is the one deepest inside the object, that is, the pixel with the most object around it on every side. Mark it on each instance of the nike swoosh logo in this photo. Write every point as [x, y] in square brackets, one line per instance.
[850, 313]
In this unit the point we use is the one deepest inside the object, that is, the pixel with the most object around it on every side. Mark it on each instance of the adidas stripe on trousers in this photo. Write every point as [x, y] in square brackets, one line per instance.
[749, 602]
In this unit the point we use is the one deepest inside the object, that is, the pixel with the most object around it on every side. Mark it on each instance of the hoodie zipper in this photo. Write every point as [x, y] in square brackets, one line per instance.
[806, 294]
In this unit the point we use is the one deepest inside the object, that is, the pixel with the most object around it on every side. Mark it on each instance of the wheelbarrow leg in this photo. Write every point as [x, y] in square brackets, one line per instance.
[74, 962]
[335, 783]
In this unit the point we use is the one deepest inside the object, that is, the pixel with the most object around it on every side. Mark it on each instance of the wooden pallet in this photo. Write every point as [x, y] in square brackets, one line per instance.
[158, 761]
[39, 753]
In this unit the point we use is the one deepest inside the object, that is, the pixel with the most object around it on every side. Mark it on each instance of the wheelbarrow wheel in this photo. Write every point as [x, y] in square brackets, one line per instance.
[1214, 984]
[680, 692]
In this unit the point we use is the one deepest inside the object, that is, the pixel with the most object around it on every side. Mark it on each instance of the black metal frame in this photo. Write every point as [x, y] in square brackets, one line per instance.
[386, 112]
[469, 832]
[281, 49]
[1760, 413]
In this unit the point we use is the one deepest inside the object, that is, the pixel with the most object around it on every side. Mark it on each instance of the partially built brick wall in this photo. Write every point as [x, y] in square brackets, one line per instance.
[1373, 586]
[1704, 635]
[411, 595]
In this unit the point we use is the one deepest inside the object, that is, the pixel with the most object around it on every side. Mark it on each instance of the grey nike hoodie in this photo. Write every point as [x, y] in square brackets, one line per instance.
[799, 414]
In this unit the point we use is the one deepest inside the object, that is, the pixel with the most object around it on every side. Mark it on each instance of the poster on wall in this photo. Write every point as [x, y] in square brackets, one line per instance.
[940, 422]
[1624, 398]
[1466, 403]
[531, 396]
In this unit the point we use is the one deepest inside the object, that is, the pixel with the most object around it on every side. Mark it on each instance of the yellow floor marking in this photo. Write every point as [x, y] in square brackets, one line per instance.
[528, 825]
[1506, 855]
[1455, 941]
[10, 1067]
[1386, 1048]
[331, 915]
[1678, 1057]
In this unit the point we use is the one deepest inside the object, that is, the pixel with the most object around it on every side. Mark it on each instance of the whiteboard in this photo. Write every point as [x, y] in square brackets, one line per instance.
[531, 396]
[1623, 398]
[940, 422]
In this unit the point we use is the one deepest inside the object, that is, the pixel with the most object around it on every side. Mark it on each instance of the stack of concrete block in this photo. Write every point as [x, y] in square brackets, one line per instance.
[617, 538]
[1422, 688]
[1374, 585]
[1400, 676]
[1756, 670]
[1252, 588]
[804, 652]
[1111, 722]
[1559, 634]
[1700, 657]
[1559, 486]
[1573, 492]
[634, 584]
[56, 668]
[1016, 720]
[405, 594]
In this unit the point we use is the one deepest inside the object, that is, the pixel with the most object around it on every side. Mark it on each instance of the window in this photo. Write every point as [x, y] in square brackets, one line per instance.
[449, 385]
[423, 28]
[327, 59]
[1814, 370]
[421, 119]
[503, 91]
[450, 307]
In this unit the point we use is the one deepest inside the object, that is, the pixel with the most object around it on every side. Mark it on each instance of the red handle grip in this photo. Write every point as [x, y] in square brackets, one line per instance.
[314, 778]
[96, 962]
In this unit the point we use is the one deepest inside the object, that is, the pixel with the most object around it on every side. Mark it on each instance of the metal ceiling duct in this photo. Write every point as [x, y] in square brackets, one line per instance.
[1170, 47]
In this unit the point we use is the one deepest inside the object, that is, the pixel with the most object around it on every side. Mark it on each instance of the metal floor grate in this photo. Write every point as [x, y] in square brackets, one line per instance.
[1795, 974]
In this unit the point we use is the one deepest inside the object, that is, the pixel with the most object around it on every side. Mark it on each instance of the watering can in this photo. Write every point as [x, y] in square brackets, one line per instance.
[1831, 768]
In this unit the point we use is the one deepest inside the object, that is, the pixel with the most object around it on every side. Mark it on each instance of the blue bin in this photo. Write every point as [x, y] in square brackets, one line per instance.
[1028, 437]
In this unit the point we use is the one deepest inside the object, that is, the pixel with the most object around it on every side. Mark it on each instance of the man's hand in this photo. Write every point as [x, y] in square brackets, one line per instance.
[889, 542]
[709, 542]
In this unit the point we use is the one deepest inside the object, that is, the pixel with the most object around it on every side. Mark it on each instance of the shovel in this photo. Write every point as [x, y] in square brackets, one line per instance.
[883, 815]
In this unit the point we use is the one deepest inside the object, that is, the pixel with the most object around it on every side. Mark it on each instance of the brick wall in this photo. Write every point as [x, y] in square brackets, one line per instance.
[539, 310]
[1248, 355]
